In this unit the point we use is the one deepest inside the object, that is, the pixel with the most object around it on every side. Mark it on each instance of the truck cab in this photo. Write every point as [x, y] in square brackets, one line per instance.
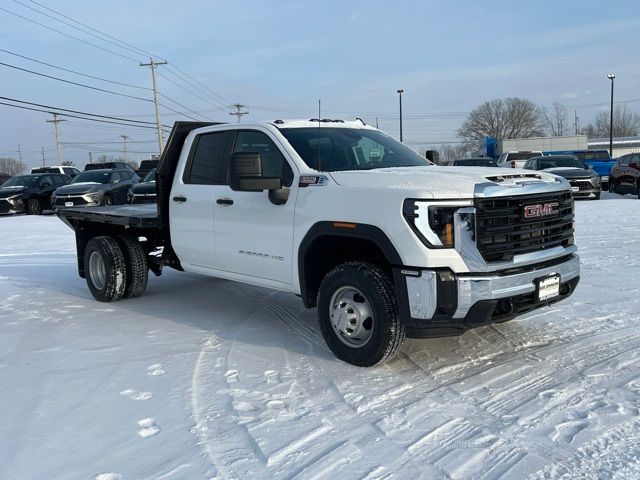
[381, 241]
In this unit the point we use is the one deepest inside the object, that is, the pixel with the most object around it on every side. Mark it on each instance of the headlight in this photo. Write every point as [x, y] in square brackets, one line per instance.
[15, 199]
[435, 222]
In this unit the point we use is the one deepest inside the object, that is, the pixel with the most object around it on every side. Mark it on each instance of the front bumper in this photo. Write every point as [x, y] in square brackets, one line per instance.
[437, 303]
[11, 206]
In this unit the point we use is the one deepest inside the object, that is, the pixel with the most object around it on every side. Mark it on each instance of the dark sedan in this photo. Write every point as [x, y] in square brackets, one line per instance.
[30, 194]
[145, 191]
[95, 187]
[585, 183]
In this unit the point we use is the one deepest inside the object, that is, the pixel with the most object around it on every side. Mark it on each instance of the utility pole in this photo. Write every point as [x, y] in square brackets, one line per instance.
[239, 112]
[20, 158]
[55, 122]
[90, 158]
[376, 122]
[43, 156]
[124, 139]
[153, 64]
[611, 77]
[575, 120]
[400, 95]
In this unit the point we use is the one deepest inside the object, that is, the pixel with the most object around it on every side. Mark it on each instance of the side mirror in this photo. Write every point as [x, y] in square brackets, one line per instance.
[245, 174]
[44, 185]
[633, 165]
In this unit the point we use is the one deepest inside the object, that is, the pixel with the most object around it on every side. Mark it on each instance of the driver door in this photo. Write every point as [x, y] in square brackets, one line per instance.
[253, 235]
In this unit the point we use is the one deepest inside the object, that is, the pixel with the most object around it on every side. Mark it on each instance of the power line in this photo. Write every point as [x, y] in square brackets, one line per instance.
[74, 71]
[95, 30]
[67, 35]
[78, 112]
[172, 65]
[202, 93]
[73, 116]
[191, 93]
[74, 83]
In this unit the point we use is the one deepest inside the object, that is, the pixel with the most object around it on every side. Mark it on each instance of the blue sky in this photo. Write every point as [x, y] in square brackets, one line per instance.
[279, 57]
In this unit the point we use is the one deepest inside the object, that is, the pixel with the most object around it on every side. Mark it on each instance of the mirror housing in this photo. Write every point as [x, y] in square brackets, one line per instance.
[245, 174]
[633, 165]
[44, 185]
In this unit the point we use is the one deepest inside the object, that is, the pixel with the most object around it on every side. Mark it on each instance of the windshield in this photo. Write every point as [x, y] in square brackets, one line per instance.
[92, 176]
[475, 162]
[22, 181]
[330, 149]
[556, 162]
[151, 176]
[595, 155]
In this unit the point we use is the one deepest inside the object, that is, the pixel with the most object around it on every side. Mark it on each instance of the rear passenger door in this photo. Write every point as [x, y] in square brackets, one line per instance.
[192, 201]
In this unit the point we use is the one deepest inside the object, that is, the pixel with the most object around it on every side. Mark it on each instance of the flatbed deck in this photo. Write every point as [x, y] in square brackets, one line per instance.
[140, 216]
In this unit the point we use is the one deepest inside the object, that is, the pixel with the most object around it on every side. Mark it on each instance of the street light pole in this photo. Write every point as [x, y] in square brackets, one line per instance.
[611, 77]
[400, 97]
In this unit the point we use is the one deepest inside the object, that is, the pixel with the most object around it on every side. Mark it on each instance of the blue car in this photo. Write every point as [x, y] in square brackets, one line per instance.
[599, 160]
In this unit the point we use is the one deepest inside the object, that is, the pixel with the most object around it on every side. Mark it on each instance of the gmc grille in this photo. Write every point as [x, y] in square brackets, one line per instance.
[502, 231]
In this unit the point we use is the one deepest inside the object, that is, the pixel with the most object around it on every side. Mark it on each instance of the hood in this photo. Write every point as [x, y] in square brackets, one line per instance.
[570, 172]
[142, 188]
[11, 191]
[440, 182]
[80, 188]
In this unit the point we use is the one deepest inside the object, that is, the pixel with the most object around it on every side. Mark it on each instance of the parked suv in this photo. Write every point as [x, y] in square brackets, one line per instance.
[30, 194]
[146, 166]
[145, 191]
[104, 165]
[63, 169]
[599, 160]
[517, 158]
[95, 187]
[585, 183]
[625, 175]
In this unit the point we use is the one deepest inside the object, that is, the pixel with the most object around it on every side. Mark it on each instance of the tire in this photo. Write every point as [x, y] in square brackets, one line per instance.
[597, 196]
[136, 265]
[638, 190]
[107, 200]
[105, 269]
[34, 207]
[367, 291]
[612, 186]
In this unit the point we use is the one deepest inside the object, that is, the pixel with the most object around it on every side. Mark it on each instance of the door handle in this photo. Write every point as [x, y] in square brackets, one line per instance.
[180, 199]
[224, 201]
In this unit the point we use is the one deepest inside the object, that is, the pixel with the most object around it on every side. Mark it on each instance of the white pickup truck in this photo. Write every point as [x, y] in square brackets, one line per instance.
[383, 243]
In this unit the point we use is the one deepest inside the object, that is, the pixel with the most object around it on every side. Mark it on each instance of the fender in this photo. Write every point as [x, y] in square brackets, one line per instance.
[342, 229]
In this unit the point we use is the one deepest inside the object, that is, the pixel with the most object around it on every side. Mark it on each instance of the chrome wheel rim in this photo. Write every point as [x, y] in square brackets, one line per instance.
[97, 270]
[351, 317]
[34, 207]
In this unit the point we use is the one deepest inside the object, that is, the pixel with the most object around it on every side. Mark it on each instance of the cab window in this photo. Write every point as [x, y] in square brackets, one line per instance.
[207, 165]
[273, 162]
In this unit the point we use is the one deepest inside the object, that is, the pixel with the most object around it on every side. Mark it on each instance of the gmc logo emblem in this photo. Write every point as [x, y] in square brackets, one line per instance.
[541, 210]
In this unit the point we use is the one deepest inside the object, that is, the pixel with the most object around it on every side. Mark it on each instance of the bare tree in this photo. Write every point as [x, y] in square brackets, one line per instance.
[555, 119]
[501, 119]
[448, 153]
[625, 124]
[11, 166]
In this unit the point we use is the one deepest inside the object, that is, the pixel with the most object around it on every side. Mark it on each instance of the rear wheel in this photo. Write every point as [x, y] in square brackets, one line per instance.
[612, 185]
[136, 265]
[34, 207]
[105, 269]
[358, 314]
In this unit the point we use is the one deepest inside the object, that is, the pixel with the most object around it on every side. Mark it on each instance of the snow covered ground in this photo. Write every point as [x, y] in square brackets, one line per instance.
[203, 378]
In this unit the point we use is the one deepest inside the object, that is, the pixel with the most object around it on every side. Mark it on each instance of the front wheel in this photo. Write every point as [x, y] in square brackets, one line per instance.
[105, 269]
[358, 314]
[107, 200]
[34, 207]
[612, 186]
